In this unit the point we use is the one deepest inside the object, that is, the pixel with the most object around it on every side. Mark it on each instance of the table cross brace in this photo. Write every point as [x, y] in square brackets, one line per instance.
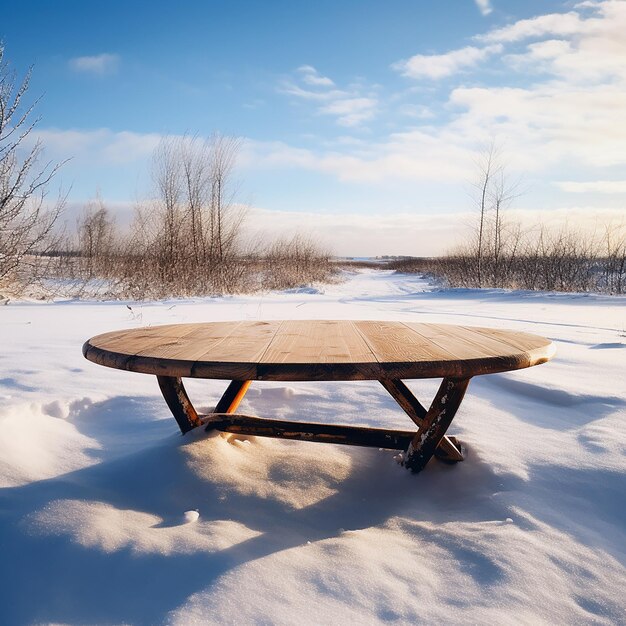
[419, 447]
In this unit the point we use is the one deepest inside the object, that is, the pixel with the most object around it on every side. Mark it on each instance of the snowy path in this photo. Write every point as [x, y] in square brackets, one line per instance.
[94, 479]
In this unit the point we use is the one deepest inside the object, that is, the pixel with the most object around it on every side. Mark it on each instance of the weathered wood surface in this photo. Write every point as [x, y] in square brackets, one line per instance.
[412, 407]
[435, 423]
[178, 402]
[307, 431]
[317, 350]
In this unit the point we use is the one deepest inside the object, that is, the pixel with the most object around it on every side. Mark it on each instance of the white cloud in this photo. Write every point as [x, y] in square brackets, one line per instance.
[351, 111]
[100, 146]
[358, 234]
[548, 50]
[561, 24]
[484, 6]
[549, 124]
[389, 230]
[350, 107]
[416, 111]
[436, 66]
[99, 64]
[595, 55]
[293, 89]
[558, 106]
[568, 110]
[122, 210]
[410, 156]
[312, 77]
[594, 186]
[411, 233]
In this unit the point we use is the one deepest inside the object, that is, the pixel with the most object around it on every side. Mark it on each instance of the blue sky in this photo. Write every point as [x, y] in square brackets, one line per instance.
[360, 119]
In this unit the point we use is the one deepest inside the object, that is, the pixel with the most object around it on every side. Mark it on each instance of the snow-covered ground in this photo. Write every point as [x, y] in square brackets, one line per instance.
[95, 480]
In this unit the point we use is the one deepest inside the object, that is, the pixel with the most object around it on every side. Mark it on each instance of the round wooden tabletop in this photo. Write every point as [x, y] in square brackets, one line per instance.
[317, 350]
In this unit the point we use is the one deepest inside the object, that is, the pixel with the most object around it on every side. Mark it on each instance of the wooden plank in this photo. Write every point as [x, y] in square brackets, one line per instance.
[407, 401]
[248, 343]
[138, 339]
[531, 349]
[318, 371]
[120, 353]
[457, 344]
[442, 455]
[488, 343]
[394, 342]
[515, 339]
[323, 341]
[193, 345]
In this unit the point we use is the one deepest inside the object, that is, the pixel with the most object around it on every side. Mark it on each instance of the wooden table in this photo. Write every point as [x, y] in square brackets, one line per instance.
[389, 352]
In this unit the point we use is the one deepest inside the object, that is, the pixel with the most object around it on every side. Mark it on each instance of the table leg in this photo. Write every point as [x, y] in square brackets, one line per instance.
[432, 423]
[233, 395]
[179, 403]
[183, 411]
[435, 423]
[446, 450]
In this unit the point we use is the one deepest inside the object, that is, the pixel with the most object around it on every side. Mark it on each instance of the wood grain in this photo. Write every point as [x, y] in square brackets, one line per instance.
[318, 342]
[317, 350]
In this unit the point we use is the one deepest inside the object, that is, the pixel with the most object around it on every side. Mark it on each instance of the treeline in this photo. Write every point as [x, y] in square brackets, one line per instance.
[535, 260]
[559, 261]
[189, 239]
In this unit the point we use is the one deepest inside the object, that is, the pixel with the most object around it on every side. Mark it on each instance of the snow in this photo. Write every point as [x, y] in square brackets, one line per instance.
[108, 515]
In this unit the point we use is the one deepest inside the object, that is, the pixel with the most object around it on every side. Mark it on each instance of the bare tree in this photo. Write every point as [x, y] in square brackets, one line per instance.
[495, 238]
[196, 177]
[188, 239]
[166, 172]
[486, 166]
[502, 191]
[615, 258]
[26, 225]
[194, 227]
[96, 238]
[225, 217]
[548, 260]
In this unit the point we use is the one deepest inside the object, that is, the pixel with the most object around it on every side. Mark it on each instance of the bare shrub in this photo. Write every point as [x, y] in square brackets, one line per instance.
[295, 262]
[188, 239]
[614, 266]
[538, 259]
